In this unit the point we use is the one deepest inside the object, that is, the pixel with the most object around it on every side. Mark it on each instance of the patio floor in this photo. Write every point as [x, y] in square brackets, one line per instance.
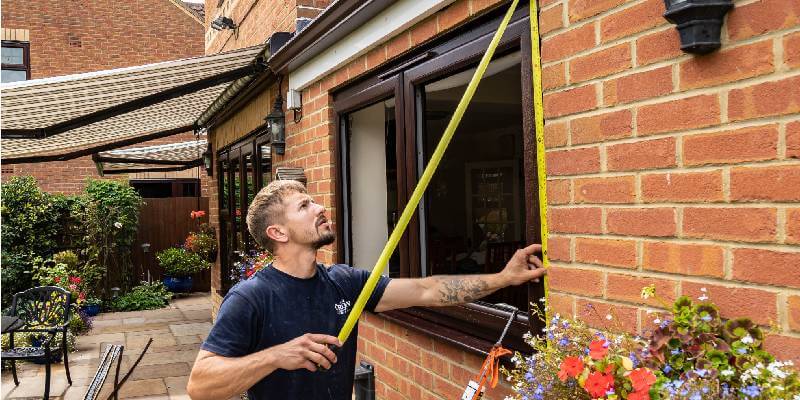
[163, 372]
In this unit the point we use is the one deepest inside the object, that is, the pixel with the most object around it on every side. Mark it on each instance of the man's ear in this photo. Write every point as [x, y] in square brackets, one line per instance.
[277, 234]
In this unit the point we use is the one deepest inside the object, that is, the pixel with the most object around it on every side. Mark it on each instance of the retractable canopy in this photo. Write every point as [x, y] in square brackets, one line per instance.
[165, 157]
[71, 116]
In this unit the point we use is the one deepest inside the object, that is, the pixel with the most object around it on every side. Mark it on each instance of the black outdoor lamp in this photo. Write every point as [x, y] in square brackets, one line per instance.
[221, 23]
[699, 22]
[276, 125]
[208, 161]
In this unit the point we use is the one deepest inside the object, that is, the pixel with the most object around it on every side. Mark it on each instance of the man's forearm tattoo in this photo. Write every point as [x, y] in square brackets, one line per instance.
[455, 290]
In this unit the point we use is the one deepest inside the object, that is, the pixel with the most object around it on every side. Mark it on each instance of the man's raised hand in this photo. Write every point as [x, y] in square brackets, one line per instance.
[307, 351]
[524, 266]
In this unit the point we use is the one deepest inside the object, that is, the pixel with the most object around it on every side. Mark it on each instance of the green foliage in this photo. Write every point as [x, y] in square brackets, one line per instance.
[16, 274]
[30, 222]
[23, 339]
[147, 296]
[68, 258]
[179, 262]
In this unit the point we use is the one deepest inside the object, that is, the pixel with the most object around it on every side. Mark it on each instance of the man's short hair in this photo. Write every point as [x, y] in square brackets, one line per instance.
[267, 209]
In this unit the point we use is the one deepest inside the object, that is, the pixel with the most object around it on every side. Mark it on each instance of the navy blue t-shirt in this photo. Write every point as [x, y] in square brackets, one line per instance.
[273, 308]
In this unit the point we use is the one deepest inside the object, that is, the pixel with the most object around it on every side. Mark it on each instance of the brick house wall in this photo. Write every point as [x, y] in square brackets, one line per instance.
[663, 168]
[77, 36]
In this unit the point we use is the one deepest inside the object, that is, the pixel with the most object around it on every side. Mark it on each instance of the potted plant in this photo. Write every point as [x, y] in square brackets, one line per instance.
[179, 265]
[203, 242]
[91, 306]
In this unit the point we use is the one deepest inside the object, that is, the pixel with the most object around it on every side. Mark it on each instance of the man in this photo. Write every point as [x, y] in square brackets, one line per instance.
[273, 330]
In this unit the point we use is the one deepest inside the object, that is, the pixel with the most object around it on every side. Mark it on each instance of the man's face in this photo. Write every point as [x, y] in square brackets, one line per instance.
[306, 222]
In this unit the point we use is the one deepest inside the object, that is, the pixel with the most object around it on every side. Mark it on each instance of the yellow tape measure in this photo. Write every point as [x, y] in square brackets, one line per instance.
[438, 153]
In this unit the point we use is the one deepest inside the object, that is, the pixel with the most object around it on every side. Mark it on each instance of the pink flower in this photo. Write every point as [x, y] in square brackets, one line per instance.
[73, 287]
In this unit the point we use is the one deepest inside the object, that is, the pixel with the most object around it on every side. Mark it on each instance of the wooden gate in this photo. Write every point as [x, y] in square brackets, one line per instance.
[164, 223]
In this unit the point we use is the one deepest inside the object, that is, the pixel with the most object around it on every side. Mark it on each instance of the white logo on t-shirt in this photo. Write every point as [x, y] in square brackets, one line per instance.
[342, 307]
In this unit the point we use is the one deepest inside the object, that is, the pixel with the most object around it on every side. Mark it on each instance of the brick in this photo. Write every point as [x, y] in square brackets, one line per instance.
[376, 56]
[628, 288]
[578, 281]
[662, 45]
[791, 50]
[551, 19]
[777, 268]
[558, 191]
[435, 364]
[600, 63]
[657, 222]
[453, 15]
[733, 302]
[599, 128]
[646, 154]
[398, 45]
[639, 86]
[575, 220]
[682, 187]
[423, 31]
[765, 99]
[766, 183]
[741, 224]
[745, 144]
[616, 253]
[793, 225]
[554, 76]
[793, 139]
[684, 259]
[565, 44]
[571, 101]
[682, 114]
[794, 312]
[448, 352]
[761, 17]
[575, 161]
[729, 65]
[563, 305]
[581, 9]
[619, 189]
[558, 248]
[784, 348]
[555, 134]
[595, 314]
[647, 14]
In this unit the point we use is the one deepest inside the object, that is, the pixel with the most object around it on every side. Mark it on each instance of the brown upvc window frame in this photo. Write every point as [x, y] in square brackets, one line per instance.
[26, 57]
[233, 157]
[473, 326]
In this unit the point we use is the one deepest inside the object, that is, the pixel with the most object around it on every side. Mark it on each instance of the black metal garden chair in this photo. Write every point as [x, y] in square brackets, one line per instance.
[45, 310]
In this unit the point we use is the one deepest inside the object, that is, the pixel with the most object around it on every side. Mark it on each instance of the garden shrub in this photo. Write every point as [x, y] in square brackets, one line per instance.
[147, 296]
[179, 262]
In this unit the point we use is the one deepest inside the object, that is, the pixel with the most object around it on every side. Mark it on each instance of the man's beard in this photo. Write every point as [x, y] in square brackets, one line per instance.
[324, 239]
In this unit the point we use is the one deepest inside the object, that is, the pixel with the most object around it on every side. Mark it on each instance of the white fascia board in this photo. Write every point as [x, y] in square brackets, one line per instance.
[388, 23]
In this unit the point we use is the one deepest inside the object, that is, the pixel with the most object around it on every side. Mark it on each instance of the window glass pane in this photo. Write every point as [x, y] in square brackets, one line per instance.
[13, 55]
[237, 205]
[266, 164]
[8, 75]
[251, 194]
[475, 210]
[223, 176]
[373, 183]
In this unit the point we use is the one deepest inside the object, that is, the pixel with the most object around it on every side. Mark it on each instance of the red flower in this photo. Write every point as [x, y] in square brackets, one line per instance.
[598, 349]
[81, 296]
[598, 384]
[570, 368]
[75, 279]
[645, 395]
[197, 214]
[57, 279]
[642, 379]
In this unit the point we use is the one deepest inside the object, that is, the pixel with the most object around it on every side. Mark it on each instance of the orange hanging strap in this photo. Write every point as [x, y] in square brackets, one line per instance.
[490, 370]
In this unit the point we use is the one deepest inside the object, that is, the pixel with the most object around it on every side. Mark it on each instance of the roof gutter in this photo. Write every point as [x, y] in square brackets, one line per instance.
[276, 41]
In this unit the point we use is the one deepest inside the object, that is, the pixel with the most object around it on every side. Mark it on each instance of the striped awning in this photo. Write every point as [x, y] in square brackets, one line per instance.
[70, 116]
[165, 157]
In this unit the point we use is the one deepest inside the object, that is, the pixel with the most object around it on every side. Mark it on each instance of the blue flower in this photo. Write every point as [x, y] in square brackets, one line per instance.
[529, 377]
[706, 318]
[741, 350]
[667, 369]
[563, 342]
[751, 391]
[675, 351]
[696, 396]
[701, 373]
[633, 358]
[664, 323]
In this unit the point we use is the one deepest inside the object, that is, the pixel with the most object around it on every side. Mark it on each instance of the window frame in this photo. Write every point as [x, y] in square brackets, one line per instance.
[235, 154]
[473, 326]
[26, 57]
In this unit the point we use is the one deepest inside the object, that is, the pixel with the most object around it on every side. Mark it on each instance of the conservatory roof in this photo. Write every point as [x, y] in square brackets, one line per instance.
[165, 157]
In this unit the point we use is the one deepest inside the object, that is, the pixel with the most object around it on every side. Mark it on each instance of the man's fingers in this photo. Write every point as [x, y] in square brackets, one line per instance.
[309, 366]
[317, 359]
[325, 339]
[325, 351]
[535, 261]
[532, 249]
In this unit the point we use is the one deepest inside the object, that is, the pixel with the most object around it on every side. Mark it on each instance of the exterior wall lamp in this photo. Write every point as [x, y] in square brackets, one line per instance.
[221, 23]
[208, 160]
[276, 126]
[699, 22]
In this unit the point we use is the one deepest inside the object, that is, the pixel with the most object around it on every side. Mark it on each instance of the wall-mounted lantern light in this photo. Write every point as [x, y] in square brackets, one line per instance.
[208, 160]
[276, 126]
[699, 22]
[221, 23]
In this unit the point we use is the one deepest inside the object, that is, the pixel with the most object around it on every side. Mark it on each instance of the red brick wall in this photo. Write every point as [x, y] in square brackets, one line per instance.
[76, 36]
[673, 169]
